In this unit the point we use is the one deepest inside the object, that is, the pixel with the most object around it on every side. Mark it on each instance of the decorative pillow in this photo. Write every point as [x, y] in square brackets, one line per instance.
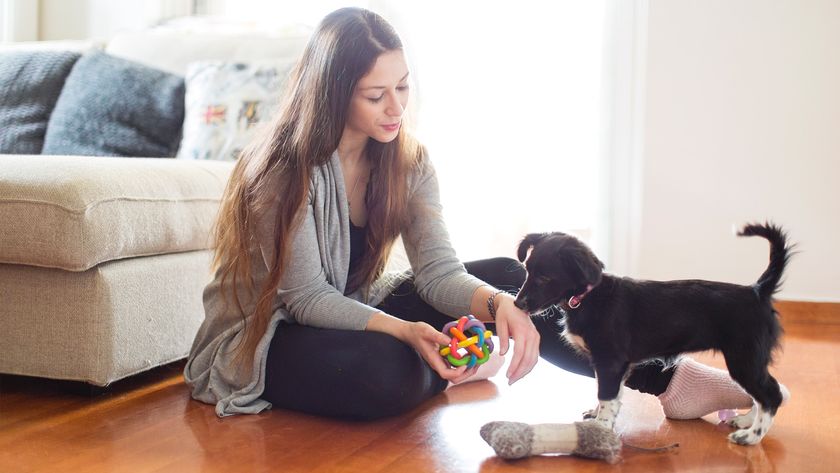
[30, 83]
[225, 103]
[113, 107]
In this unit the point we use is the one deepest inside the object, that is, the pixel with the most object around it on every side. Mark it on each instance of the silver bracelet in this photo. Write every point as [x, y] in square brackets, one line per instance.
[491, 303]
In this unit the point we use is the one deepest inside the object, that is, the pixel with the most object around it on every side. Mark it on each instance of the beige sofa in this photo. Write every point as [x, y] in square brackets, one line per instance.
[103, 260]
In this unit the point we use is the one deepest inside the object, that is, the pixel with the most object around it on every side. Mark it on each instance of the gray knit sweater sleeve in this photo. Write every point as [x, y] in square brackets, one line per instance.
[439, 275]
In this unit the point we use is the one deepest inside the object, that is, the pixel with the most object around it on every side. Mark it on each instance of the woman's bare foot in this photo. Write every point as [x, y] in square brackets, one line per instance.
[487, 369]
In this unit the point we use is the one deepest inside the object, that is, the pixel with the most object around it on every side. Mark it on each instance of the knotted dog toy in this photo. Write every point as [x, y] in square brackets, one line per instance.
[463, 349]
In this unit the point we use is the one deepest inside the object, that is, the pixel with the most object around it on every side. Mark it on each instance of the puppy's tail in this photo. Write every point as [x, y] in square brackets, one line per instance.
[780, 252]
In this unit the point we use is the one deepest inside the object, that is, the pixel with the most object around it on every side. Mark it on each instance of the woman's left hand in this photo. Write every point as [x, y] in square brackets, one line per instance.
[512, 322]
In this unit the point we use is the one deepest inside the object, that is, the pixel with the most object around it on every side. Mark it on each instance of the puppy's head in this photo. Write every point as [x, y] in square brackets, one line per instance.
[559, 266]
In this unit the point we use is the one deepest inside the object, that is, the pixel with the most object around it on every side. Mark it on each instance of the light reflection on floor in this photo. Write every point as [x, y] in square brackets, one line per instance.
[563, 397]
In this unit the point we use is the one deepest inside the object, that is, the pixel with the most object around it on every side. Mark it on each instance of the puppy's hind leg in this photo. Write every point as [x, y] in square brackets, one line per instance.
[758, 382]
[610, 378]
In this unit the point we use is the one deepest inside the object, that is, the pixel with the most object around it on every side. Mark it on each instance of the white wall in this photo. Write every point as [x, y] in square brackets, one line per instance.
[101, 19]
[742, 123]
[739, 118]
[18, 20]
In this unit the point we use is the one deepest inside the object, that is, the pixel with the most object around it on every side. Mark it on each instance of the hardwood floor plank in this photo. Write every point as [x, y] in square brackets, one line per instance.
[149, 424]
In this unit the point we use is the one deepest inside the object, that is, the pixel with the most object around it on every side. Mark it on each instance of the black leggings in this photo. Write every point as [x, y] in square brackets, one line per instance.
[367, 375]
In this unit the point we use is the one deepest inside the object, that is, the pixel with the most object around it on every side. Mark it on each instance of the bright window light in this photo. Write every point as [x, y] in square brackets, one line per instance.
[507, 97]
[509, 104]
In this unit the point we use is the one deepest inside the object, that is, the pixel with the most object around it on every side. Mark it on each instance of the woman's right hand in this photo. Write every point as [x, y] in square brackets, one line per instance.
[425, 340]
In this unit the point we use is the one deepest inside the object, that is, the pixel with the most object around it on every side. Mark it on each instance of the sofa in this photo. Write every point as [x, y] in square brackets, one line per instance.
[112, 166]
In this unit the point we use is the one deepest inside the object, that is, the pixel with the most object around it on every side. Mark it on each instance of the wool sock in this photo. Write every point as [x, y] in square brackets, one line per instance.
[697, 389]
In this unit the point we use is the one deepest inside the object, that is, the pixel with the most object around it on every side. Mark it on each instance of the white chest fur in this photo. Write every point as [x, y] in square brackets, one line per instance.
[576, 341]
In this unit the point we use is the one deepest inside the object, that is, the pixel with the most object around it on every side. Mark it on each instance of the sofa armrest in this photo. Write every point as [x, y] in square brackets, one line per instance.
[75, 212]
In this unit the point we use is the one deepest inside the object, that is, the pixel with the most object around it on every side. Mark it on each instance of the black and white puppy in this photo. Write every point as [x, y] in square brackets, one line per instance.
[620, 322]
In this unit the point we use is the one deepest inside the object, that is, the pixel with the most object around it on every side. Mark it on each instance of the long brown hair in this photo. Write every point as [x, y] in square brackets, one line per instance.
[304, 134]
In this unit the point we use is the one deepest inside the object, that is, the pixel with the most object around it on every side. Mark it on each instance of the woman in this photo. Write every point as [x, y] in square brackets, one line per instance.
[301, 314]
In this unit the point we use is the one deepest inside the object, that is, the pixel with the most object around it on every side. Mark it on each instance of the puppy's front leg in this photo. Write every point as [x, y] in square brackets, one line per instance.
[610, 377]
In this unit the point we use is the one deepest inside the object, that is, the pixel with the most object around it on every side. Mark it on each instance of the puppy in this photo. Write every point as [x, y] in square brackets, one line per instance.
[620, 322]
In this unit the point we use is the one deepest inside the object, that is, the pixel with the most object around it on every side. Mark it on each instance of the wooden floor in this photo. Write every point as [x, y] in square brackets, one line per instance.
[148, 423]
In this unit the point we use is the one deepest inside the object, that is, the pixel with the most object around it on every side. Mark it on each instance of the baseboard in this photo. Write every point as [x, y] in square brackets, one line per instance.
[809, 312]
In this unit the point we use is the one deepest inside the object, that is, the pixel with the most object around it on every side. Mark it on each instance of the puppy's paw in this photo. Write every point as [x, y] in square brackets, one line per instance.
[755, 424]
[590, 414]
[607, 412]
[742, 421]
[606, 422]
[746, 436]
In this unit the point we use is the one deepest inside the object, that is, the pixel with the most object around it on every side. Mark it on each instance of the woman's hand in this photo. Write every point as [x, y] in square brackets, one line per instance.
[512, 322]
[425, 340]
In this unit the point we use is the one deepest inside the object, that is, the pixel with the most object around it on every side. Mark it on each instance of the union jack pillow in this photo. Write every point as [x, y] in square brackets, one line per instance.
[225, 104]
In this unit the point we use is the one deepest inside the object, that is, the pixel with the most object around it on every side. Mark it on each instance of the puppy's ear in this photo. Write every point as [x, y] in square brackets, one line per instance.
[589, 265]
[527, 243]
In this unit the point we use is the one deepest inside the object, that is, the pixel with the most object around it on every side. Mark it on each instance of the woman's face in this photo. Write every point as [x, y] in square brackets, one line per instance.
[378, 103]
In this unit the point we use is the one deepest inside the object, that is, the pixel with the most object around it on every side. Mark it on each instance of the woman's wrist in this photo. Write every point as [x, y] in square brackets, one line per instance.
[486, 302]
[506, 302]
[494, 301]
[382, 322]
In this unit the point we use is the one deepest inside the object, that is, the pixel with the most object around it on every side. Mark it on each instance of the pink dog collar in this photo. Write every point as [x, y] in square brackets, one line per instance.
[574, 301]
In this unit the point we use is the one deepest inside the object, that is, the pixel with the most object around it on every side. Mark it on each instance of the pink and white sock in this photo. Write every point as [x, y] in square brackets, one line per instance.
[697, 389]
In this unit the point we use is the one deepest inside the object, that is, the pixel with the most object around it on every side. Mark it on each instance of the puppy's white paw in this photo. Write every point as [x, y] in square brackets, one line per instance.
[745, 437]
[741, 421]
[607, 412]
[590, 414]
[608, 423]
[753, 426]
[744, 420]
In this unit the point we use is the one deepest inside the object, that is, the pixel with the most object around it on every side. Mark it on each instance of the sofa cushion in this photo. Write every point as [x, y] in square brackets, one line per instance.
[30, 83]
[113, 107]
[173, 50]
[226, 102]
[74, 212]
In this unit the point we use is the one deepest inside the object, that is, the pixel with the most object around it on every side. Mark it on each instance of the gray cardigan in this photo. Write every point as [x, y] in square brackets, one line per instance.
[312, 290]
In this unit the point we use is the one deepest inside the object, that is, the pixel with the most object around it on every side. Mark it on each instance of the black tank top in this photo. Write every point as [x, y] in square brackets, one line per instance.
[357, 246]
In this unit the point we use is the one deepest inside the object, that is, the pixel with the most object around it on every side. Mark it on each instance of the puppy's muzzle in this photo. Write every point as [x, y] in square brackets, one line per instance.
[521, 302]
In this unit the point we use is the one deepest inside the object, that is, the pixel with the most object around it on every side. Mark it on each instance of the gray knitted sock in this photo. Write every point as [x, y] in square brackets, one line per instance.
[597, 441]
[510, 440]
